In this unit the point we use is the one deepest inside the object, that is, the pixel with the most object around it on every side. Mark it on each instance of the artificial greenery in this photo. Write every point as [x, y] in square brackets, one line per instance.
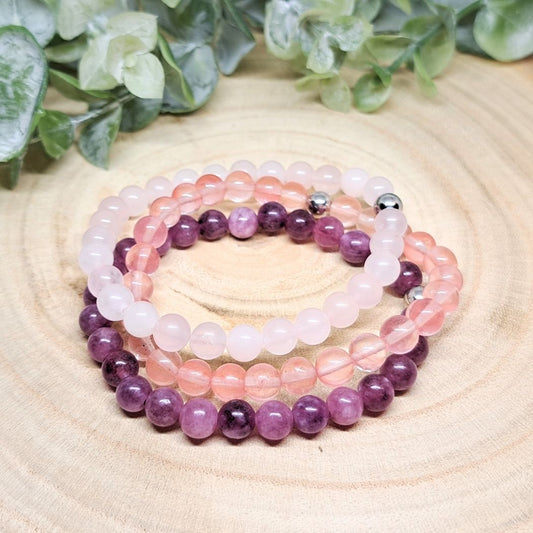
[130, 60]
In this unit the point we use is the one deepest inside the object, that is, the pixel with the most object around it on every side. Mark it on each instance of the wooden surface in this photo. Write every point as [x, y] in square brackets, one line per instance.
[453, 454]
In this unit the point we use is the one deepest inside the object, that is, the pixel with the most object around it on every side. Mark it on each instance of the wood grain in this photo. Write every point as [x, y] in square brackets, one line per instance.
[453, 454]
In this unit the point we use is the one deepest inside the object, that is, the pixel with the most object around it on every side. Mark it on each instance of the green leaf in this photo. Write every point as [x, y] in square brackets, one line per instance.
[143, 26]
[253, 11]
[383, 74]
[97, 137]
[138, 113]
[281, 29]
[368, 9]
[350, 32]
[171, 3]
[322, 56]
[423, 78]
[10, 172]
[23, 81]
[311, 80]
[93, 72]
[145, 78]
[370, 93]
[69, 86]
[386, 48]
[56, 132]
[504, 29]
[404, 5]
[120, 50]
[194, 21]
[465, 42]
[67, 52]
[335, 94]
[74, 15]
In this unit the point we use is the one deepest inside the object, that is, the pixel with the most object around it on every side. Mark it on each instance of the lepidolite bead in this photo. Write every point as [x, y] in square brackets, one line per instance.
[91, 319]
[213, 225]
[236, 419]
[102, 342]
[410, 276]
[271, 217]
[242, 223]
[419, 353]
[299, 225]
[400, 371]
[345, 406]
[132, 393]
[274, 420]
[88, 297]
[198, 418]
[119, 365]
[377, 392]
[355, 247]
[310, 414]
[185, 232]
[123, 247]
[328, 232]
[163, 407]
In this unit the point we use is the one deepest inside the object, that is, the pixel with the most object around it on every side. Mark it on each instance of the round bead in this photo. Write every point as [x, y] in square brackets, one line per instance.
[194, 377]
[388, 200]
[132, 393]
[439, 255]
[387, 240]
[188, 197]
[245, 166]
[391, 219]
[271, 217]
[143, 257]
[365, 222]
[427, 315]
[410, 276]
[318, 203]
[274, 420]
[383, 266]
[102, 342]
[242, 223]
[366, 290]
[334, 366]
[262, 382]
[346, 209]
[449, 273]
[355, 247]
[298, 375]
[399, 334]
[171, 332]
[150, 230]
[185, 175]
[312, 326]
[327, 233]
[293, 195]
[116, 205]
[158, 186]
[400, 370]
[377, 392]
[310, 414]
[216, 169]
[213, 225]
[208, 341]
[99, 235]
[228, 382]
[141, 347]
[239, 186]
[88, 297]
[91, 319]
[299, 225]
[420, 352]
[165, 247]
[162, 367]
[272, 168]
[94, 256]
[212, 189]
[118, 366]
[140, 319]
[140, 284]
[368, 352]
[163, 407]
[279, 336]
[341, 309]
[166, 209]
[113, 301]
[107, 219]
[135, 198]
[102, 276]
[185, 233]
[375, 187]
[300, 172]
[327, 178]
[268, 189]
[123, 247]
[353, 181]
[198, 418]
[345, 406]
[236, 419]
[417, 245]
[415, 293]
[244, 343]
[444, 293]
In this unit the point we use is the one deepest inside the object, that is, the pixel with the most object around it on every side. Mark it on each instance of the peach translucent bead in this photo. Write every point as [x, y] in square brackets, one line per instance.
[298, 375]
[439, 255]
[366, 220]
[150, 230]
[334, 366]
[346, 209]
[143, 257]
[293, 195]
[262, 382]
[212, 189]
[268, 189]
[444, 293]
[227, 382]
[341, 309]
[140, 284]
[239, 186]
[141, 347]
[416, 245]
[366, 290]
[399, 333]
[368, 352]
[427, 315]
[449, 273]
[194, 377]
[162, 367]
[166, 209]
[188, 197]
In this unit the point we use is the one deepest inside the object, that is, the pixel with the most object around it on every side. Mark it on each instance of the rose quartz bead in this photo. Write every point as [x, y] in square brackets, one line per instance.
[171, 332]
[439, 255]
[327, 178]
[162, 367]
[208, 341]
[245, 166]
[268, 189]
[346, 209]
[150, 230]
[94, 256]
[188, 197]
[449, 273]
[366, 220]
[444, 293]
[194, 377]
[416, 245]
[140, 319]
[262, 382]
[116, 205]
[244, 343]
[383, 266]
[140, 347]
[140, 284]
[227, 382]
[366, 290]
[312, 326]
[387, 240]
[143, 257]
[102, 276]
[399, 334]
[334, 366]
[298, 375]
[158, 186]
[279, 336]
[185, 175]
[212, 189]
[239, 186]
[107, 219]
[113, 301]
[368, 352]
[427, 315]
[272, 168]
[353, 182]
[300, 172]
[99, 235]
[216, 169]
[375, 187]
[135, 198]
[166, 209]
[391, 219]
[341, 309]
[293, 196]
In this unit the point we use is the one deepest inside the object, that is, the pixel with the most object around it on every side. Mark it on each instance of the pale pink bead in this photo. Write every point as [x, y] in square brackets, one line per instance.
[444, 293]
[107, 219]
[300, 172]
[245, 166]
[346, 209]
[208, 341]
[194, 377]
[150, 230]
[99, 235]
[116, 205]
[416, 245]
[368, 352]
[185, 175]
[293, 196]
[268, 189]
[239, 186]
[216, 169]
[212, 189]
[158, 186]
[341, 309]
[113, 301]
[427, 315]
[94, 256]
[102, 276]
[140, 284]
[334, 366]
[353, 182]
[312, 326]
[227, 382]
[439, 255]
[298, 375]
[272, 168]
[166, 209]
[188, 197]
[327, 178]
[162, 367]
[172, 332]
[383, 266]
[262, 382]
[279, 336]
[366, 220]
[366, 290]
[142, 257]
[244, 343]
[387, 240]
[391, 219]
[399, 334]
[141, 347]
[375, 187]
[140, 319]
[449, 273]
[135, 198]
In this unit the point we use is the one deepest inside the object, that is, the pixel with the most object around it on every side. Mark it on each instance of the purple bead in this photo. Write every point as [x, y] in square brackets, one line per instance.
[355, 247]
[88, 297]
[185, 232]
[236, 419]
[310, 414]
[400, 371]
[198, 418]
[271, 217]
[419, 353]
[299, 225]
[410, 276]
[123, 247]
[328, 232]
[377, 392]
[119, 365]
[132, 393]
[274, 420]
[163, 407]
[102, 342]
[213, 225]
[242, 223]
[345, 406]
[91, 319]
[165, 247]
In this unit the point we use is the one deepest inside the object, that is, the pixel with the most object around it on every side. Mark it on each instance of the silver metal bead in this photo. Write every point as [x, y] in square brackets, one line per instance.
[416, 293]
[386, 200]
[318, 203]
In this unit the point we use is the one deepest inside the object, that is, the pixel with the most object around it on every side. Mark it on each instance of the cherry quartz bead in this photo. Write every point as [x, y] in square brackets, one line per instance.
[119, 365]
[91, 319]
[236, 419]
[420, 352]
[163, 407]
[355, 247]
[299, 225]
[410, 276]
[310, 414]
[132, 393]
[400, 371]
[102, 342]
[271, 217]
[213, 225]
[377, 392]
[185, 232]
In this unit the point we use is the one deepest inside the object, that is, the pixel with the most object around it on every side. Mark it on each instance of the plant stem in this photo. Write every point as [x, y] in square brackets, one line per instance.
[99, 111]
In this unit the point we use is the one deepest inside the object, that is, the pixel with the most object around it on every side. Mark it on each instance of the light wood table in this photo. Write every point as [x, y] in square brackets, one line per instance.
[453, 454]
